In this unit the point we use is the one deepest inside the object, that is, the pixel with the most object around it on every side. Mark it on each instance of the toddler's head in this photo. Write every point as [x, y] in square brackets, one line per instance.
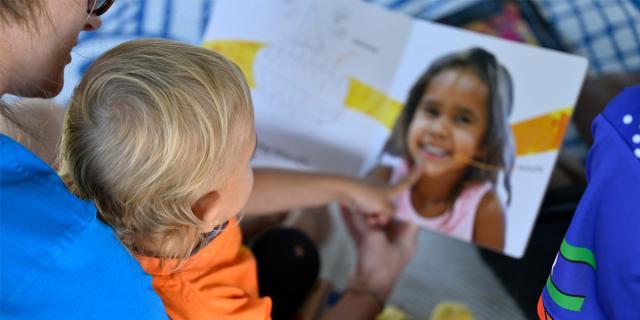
[456, 118]
[159, 135]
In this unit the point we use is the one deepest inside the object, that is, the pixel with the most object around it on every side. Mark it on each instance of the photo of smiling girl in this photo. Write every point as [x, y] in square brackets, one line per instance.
[454, 128]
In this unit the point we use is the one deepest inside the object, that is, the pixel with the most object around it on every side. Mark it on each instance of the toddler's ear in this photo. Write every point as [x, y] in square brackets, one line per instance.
[207, 208]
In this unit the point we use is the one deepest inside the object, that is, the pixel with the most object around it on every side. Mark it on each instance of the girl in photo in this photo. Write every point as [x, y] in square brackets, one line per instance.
[455, 127]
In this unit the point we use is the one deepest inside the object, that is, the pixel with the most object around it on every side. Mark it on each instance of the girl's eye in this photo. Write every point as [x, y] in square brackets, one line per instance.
[462, 119]
[430, 111]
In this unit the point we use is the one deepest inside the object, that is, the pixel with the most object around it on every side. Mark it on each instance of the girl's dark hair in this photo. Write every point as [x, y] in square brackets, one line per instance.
[498, 141]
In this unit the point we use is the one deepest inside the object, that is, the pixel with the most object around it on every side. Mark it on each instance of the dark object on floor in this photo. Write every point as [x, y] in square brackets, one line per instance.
[288, 267]
[524, 278]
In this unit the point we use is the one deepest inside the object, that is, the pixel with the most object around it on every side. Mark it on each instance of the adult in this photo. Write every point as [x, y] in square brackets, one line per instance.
[58, 259]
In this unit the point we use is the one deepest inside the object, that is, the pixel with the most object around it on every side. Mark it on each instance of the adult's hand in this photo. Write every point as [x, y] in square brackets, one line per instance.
[383, 252]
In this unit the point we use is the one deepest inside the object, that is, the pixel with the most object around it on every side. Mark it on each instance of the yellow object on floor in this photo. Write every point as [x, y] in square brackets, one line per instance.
[391, 312]
[449, 310]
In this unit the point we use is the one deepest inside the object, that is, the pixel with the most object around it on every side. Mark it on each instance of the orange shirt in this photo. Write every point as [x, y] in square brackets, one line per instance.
[218, 282]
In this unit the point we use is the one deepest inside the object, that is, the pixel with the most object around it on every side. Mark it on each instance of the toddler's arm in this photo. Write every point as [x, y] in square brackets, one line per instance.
[380, 174]
[275, 190]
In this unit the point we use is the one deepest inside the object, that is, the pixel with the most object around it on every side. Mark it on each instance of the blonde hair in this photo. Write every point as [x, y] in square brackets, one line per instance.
[147, 132]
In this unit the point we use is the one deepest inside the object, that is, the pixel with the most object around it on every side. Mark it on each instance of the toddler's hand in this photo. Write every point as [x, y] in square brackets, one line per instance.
[376, 201]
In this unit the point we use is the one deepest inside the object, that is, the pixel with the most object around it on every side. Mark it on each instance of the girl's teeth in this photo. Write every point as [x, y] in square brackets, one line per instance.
[434, 150]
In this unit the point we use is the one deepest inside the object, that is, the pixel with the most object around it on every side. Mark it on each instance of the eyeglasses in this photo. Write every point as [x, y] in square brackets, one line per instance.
[98, 7]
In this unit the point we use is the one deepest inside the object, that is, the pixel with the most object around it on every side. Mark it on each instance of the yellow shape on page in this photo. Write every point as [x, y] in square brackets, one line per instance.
[542, 133]
[242, 53]
[372, 102]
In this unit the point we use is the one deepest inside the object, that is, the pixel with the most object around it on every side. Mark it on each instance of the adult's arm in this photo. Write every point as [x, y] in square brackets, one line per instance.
[383, 253]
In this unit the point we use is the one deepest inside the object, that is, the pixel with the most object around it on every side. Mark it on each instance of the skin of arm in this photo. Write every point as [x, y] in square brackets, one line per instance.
[380, 174]
[488, 230]
[275, 190]
[383, 253]
[355, 306]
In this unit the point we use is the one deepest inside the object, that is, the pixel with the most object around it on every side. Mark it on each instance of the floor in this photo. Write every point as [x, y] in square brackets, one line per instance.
[443, 269]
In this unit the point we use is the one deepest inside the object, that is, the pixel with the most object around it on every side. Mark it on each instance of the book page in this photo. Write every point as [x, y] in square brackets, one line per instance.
[319, 72]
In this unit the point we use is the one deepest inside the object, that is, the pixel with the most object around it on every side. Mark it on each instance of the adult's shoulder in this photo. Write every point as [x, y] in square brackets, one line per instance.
[58, 259]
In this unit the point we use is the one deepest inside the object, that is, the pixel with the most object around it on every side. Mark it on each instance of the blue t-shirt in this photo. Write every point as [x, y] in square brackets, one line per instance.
[596, 274]
[57, 260]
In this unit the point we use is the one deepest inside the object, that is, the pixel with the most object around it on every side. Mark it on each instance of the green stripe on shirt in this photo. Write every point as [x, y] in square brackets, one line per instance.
[565, 301]
[577, 254]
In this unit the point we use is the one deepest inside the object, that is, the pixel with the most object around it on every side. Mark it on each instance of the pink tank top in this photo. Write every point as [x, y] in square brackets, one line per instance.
[457, 222]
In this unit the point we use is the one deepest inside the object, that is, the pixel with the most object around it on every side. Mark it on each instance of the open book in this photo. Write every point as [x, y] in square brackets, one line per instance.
[330, 81]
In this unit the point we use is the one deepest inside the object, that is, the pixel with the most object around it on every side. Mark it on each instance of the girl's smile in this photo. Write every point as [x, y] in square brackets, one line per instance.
[432, 152]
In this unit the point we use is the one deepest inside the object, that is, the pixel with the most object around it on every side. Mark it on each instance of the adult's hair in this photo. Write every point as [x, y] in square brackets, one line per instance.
[20, 11]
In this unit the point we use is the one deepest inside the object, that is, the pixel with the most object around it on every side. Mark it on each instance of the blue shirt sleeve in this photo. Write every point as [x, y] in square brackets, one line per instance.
[596, 274]
[57, 260]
